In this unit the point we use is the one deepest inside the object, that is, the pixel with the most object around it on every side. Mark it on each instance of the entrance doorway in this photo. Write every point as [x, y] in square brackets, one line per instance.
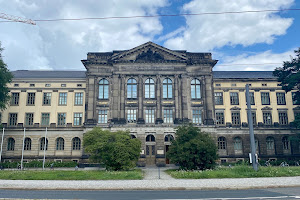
[166, 150]
[150, 154]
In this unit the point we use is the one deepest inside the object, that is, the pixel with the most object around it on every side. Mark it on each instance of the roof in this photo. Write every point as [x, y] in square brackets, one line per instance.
[243, 74]
[81, 74]
[48, 74]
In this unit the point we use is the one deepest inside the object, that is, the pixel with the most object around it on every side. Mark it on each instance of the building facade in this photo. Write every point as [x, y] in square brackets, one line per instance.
[148, 90]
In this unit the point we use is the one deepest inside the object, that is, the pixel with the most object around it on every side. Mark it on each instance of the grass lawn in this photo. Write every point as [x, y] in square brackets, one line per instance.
[71, 175]
[236, 172]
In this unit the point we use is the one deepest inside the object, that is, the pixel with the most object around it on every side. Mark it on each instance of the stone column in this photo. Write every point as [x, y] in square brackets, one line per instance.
[209, 100]
[115, 98]
[158, 100]
[91, 100]
[122, 119]
[176, 93]
[140, 98]
[184, 98]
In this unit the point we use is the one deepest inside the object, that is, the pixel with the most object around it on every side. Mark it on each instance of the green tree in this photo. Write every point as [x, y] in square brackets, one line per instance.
[5, 78]
[193, 149]
[289, 76]
[116, 150]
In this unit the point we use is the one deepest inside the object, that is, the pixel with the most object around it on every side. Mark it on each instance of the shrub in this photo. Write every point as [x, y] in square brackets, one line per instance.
[193, 149]
[116, 150]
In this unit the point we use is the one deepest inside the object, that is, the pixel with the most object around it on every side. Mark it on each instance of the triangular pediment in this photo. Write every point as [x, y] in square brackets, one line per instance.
[149, 52]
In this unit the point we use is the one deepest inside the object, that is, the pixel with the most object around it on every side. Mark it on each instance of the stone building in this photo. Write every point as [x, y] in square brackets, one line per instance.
[148, 90]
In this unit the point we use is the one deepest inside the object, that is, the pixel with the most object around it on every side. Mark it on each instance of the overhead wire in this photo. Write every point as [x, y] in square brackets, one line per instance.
[165, 15]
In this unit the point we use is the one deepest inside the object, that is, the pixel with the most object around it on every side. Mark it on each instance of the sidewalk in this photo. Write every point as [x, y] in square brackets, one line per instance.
[152, 182]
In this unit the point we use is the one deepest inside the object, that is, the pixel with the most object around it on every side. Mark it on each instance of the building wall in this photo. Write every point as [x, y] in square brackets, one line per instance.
[158, 63]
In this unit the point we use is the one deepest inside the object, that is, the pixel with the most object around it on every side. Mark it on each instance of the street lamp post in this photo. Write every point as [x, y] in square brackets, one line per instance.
[250, 123]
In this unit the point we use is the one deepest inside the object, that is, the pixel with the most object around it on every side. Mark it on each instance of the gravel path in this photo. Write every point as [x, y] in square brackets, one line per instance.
[156, 173]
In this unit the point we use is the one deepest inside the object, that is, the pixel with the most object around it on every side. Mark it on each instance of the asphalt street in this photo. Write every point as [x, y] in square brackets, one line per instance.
[275, 193]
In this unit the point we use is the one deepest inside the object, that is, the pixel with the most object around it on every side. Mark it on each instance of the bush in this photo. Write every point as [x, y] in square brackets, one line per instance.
[193, 149]
[116, 150]
[38, 164]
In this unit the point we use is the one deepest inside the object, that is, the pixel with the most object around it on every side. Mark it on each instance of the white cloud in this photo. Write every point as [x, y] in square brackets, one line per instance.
[61, 45]
[265, 61]
[207, 32]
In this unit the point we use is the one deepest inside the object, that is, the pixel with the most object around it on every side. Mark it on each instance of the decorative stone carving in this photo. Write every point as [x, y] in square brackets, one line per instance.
[149, 56]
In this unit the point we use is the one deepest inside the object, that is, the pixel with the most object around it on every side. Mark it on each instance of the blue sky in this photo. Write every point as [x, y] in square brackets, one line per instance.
[249, 41]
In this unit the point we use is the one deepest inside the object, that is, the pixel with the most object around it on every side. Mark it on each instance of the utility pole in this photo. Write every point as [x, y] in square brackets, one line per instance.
[17, 19]
[250, 123]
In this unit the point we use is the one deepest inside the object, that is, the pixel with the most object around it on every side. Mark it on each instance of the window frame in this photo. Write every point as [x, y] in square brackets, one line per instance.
[195, 86]
[62, 98]
[149, 88]
[234, 98]
[265, 98]
[218, 98]
[131, 88]
[47, 98]
[167, 88]
[103, 89]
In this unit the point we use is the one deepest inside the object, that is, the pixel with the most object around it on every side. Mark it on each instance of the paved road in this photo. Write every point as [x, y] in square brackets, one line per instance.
[278, 193]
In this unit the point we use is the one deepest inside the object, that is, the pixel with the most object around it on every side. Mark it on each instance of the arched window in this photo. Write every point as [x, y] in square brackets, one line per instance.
[42, 143]
[27, 144]
[60, 144]
[195, 89]
[149, 89]
[10, 144]
[221, 143]
[103, 89]
[132, 136]
[237, 142]
[150, 138]
[285, 143]
[169, 138]
[167, 89]
[76, 143]
[131, 88]
[270, 143]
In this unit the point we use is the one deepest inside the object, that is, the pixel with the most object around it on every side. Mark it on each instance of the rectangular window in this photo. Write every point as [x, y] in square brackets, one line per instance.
[47, 98]
[253, 114]
[233, 84]
[131, 116]
[29, 119]
[149, 115]
[197, 117]
[280, 98]
[31, 85]
[168, 116]
[235, 118]
[252, 100]
[79, 85]
[218, 84]
[61, 119]
[62, 98]
[234, 98]
[45, 119]
[47, 85]
[14, 101]
[219, 98]
[31, 98]
[264, 84]
[79, 98]
[293, 97]
[77, 119]
[283, 118]
[102, 116]
[13, 119]
[267, 118]
[16, 85]
[265, 98]
[220, 118]
[63, 85]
